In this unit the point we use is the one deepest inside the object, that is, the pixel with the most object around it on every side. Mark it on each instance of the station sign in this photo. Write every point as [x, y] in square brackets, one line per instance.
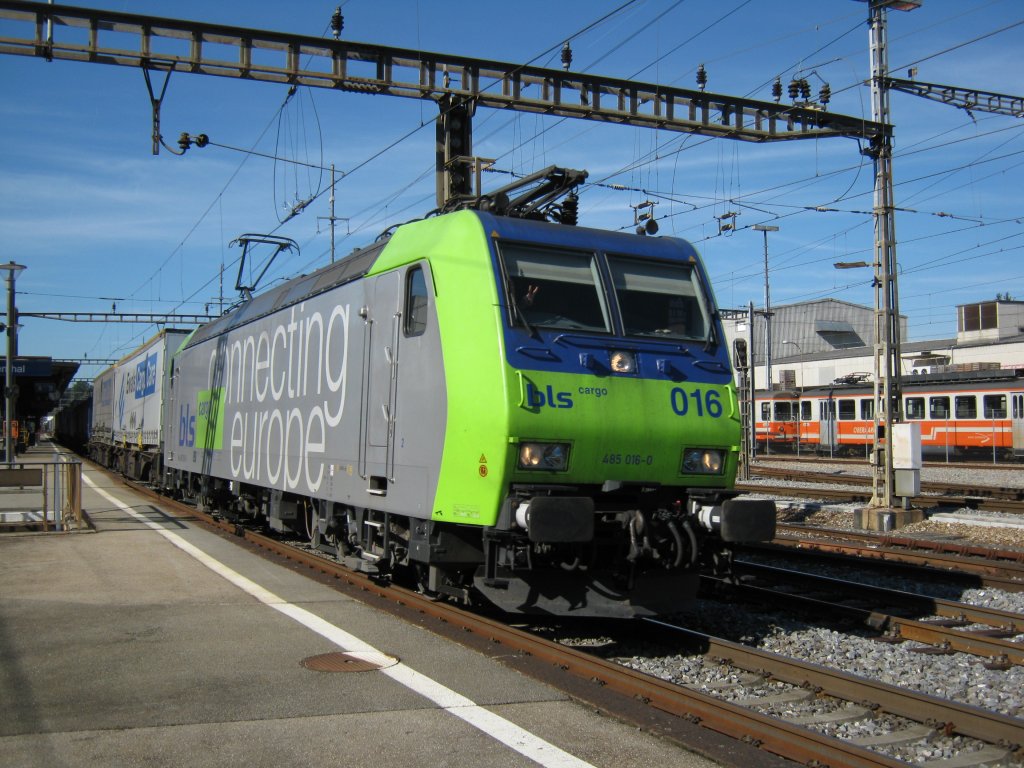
[28, 366]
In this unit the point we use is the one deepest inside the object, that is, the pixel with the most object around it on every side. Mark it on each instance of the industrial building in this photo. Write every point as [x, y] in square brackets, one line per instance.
[818, 342]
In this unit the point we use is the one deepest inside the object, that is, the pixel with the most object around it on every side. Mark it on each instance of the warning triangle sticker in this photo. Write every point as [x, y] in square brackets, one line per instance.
[483, 459]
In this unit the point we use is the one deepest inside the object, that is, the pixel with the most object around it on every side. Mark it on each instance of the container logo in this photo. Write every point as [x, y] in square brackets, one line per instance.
[146, 377]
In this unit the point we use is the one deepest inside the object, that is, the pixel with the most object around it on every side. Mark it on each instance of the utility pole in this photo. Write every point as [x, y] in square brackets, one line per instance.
[887, 360]
[10, 391]
[332, 213]
[332, 218]
[766, 228]
[752, 384]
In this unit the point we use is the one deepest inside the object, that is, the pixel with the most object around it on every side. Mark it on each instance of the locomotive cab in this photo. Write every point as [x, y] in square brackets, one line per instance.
[622, 425]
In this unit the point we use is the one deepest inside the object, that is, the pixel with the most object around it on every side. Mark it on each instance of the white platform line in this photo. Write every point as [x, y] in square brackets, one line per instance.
[495, 726]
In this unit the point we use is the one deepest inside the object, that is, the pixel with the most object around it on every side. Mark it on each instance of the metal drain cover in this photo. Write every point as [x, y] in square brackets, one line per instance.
[345, 662]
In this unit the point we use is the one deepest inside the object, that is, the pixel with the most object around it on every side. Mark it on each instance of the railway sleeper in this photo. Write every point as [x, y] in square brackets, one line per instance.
[848, 713]
[906, 735]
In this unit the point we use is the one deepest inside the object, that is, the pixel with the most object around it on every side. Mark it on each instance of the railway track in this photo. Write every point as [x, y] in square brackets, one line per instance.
[863, 462]
[767, 682]
[848, 495]
[962, 494]
[999, 569]
[951, 626]
[670, 708]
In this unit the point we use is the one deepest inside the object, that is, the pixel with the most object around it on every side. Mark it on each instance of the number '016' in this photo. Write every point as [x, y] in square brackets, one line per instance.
[703, 402]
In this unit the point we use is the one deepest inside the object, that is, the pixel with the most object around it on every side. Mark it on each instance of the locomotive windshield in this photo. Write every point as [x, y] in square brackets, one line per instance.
[565, 289]
[659, 299]
[555, 289]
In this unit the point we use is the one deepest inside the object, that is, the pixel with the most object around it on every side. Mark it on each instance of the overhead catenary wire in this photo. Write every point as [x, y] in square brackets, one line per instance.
[749, 195]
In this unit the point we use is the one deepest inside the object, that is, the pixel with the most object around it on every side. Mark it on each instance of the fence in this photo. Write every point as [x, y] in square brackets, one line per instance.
[46, 494]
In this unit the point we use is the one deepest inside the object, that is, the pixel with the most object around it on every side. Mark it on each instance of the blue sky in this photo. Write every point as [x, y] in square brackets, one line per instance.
[98, 220]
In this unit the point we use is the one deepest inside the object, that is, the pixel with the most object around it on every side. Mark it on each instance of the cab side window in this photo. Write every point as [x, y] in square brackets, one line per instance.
[415, 302]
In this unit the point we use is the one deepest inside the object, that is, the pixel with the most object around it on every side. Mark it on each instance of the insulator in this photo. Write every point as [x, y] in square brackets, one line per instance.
[777, 90]
[794, 89]
[184, 141]
[702, 77]
[825, 95]
[570, 209]
[337, 22]
[202, 140]
[805, 89]
[566, 56]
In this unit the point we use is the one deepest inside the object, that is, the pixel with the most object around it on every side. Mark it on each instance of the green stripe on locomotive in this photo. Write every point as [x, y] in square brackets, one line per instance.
[627, 429]
[619, 428]
[475, 452]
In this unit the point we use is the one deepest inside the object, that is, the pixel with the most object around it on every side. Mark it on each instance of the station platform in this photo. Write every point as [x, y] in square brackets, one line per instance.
[144, 640]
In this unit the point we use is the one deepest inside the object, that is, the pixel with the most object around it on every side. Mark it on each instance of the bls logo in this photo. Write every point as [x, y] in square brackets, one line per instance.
[187, 427]
[538, 399]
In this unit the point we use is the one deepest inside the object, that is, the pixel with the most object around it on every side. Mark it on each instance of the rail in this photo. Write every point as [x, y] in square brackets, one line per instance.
[42, 494]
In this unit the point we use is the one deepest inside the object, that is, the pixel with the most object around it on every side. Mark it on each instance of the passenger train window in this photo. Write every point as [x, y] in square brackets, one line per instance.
[415, 302]
[914, 408]
[995, 406]
[661, 299]
[766, 411]
[847, 410]
[805, 410]
[966, 406]
[827, 410]
[555, 289]
[783, 412]
[867, 409]
[938, 408]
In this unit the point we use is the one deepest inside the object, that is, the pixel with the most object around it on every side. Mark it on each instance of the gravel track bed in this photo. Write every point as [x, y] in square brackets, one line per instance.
[967, 529]
[960, 677]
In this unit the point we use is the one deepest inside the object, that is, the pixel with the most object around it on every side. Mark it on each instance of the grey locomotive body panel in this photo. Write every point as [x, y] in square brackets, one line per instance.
[325, 397]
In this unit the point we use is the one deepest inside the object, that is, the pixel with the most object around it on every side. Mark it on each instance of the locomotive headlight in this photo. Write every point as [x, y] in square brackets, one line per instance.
[622, 362]
[702, 461]
[552, 457]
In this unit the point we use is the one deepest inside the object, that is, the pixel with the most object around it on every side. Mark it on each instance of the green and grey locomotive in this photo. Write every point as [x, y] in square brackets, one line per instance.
[537, 414]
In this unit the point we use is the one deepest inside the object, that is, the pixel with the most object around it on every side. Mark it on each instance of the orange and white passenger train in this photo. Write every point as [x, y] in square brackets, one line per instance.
[961, 413]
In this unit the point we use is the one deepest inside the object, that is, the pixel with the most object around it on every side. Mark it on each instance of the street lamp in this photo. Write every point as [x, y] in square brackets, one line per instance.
[12, 271]
[766, 228]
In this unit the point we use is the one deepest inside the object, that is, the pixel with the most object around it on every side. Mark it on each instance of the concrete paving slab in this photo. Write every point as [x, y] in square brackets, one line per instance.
[119, 648]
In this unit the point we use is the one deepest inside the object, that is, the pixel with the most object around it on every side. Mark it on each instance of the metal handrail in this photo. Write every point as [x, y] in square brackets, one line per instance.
[59, 484]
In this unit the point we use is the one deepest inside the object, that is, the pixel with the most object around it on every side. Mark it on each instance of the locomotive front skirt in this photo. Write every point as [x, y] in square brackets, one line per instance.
[538, 414]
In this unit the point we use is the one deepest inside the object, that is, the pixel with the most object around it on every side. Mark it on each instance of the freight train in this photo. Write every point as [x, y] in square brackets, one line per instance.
[71, 423]
[961, 413]
[511, 409]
